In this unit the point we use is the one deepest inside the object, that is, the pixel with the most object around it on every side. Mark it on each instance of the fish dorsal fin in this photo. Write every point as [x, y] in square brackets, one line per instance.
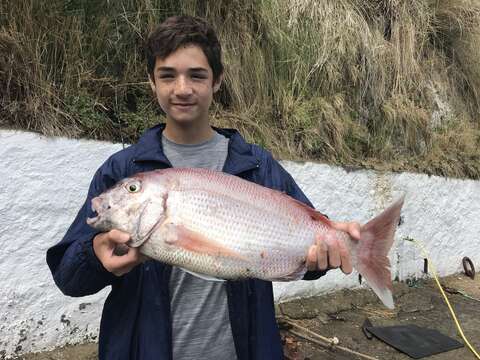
[203, 276]
[314, 214]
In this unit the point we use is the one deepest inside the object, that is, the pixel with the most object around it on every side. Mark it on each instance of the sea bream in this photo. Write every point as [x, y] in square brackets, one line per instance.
[223, 227]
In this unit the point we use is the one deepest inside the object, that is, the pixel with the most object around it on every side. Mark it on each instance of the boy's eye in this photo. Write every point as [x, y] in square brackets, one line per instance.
[166, 76]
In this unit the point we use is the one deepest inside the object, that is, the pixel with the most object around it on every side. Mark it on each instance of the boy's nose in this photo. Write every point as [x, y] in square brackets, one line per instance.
[182, 87]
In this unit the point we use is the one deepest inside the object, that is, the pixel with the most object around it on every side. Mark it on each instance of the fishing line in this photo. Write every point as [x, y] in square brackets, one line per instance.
[452, 312]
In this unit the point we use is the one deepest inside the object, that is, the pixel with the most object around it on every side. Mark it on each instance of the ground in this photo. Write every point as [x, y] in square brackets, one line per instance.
[342, 314]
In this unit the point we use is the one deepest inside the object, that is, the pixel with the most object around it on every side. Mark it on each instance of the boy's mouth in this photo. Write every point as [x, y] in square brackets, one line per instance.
[183, 105]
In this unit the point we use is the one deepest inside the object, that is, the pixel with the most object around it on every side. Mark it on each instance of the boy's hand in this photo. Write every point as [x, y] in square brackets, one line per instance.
[115, 256]
[330, 253]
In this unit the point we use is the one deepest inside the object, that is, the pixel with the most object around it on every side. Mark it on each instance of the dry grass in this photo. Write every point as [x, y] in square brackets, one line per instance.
[388, 84]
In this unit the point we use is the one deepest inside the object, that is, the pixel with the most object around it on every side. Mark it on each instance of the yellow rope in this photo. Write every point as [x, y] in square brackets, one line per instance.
[433, 272]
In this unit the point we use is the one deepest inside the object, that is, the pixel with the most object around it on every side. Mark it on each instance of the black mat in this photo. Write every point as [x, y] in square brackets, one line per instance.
[415, 341]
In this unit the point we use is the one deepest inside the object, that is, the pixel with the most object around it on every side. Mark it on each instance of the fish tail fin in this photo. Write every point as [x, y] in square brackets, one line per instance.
[376, 239]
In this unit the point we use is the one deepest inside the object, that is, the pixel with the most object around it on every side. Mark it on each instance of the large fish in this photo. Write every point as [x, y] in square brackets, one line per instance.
[224, 227]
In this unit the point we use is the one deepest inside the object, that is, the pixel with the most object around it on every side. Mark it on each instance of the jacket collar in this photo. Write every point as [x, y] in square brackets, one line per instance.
[149, 146]
[240, 157]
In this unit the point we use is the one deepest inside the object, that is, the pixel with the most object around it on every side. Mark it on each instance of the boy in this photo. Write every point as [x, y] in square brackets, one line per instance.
[155, 311]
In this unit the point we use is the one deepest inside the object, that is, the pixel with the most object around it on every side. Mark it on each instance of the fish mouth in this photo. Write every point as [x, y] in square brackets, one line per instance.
[98, 222]
[93, 220]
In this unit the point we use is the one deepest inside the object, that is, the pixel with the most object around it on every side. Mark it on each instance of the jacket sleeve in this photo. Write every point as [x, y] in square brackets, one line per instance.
[283, 181]
[75, 268]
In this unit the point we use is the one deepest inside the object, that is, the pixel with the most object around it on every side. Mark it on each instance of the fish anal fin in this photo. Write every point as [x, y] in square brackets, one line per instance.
[296, 274]
[181, 236]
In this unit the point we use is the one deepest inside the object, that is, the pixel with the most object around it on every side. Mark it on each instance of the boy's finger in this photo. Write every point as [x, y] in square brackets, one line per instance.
[351, 228]
[345, 259]
[354, 230]
[123, 271]
[341, 226]
[322, 255]
[115, 263]
[333, 250]
[120, 250]
[333, 257]
[311, 260]
[118, 236]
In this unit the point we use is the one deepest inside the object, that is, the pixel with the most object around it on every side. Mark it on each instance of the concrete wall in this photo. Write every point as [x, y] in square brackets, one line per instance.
[44, 182]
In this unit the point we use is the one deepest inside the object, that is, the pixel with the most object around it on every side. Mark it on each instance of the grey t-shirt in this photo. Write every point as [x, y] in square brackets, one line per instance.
[200, 320]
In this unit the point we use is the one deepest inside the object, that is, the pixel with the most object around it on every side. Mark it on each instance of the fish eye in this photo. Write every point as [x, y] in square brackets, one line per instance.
[133, 187]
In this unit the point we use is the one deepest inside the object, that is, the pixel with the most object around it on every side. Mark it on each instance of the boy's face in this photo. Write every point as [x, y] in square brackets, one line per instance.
[184, 85]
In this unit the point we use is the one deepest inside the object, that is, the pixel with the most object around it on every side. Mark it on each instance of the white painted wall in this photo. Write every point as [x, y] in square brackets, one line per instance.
[44, 182]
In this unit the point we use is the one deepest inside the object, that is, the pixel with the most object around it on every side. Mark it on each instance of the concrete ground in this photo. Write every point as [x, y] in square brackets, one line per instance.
[342, 314]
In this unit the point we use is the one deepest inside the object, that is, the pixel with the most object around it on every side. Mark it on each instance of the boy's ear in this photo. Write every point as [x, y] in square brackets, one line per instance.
[217, 83]
[152, 84]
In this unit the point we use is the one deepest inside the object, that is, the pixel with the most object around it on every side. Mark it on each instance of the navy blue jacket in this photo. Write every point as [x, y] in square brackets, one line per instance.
[136, 316]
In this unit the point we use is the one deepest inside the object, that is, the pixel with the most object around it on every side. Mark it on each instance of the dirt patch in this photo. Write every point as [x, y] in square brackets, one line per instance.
[342, 314]
[71, 352]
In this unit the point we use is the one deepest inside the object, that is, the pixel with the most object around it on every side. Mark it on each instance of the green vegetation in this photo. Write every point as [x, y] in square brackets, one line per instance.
[386, 84]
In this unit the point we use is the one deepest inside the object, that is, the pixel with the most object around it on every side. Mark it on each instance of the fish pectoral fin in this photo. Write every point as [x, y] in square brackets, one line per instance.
[203, 276]
[181, 236]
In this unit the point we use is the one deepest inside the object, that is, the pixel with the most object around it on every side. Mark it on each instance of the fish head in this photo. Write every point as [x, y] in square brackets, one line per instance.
[135, 205]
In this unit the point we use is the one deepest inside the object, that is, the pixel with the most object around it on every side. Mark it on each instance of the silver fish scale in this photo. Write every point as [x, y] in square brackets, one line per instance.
[270, 233]
[271, 246]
